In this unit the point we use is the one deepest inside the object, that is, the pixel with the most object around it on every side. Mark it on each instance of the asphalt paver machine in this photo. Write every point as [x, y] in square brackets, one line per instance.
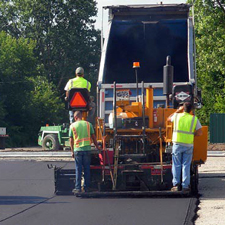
[136, 158]
[131, 123]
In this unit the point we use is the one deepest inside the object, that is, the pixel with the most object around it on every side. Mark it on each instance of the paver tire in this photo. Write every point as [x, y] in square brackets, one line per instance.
[51, 142]
[194, 180]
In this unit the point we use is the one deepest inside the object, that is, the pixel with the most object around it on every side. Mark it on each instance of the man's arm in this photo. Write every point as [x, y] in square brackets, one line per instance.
[67, 90]
[180, 110]
[71, 146]
[198, 132]
[67, 96]
[198, 129]
[93, 137]
[169, 118]
[95, 141]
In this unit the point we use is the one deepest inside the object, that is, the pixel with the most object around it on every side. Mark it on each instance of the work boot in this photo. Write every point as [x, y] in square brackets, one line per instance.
[76, 191]
[175, 188]
[87, 190]
[186, 190]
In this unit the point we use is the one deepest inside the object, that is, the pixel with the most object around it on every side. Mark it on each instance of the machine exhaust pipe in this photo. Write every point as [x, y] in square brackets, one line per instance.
[167, 79]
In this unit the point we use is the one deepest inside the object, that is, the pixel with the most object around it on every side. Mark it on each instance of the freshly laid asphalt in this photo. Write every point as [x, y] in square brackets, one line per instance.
[27, 198]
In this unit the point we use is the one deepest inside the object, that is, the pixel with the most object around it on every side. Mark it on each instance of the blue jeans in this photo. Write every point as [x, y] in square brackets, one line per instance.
[90, 117]
[82, 159]
[91, 113]
[182, 157]
[71, 113]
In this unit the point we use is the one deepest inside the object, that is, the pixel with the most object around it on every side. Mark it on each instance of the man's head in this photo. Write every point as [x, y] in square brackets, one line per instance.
[187, 107]
[77, 115]
[79, 72]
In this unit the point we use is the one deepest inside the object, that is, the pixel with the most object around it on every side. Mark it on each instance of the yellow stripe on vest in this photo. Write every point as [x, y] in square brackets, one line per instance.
[75, 137]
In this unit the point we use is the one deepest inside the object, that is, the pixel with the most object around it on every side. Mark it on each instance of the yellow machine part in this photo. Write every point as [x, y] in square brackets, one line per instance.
[157, 118]
[135, 109]
[84, 115]
[200, 146]
[160, 116]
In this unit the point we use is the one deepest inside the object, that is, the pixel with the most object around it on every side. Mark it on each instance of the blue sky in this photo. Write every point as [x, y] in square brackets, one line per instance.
[124, 2]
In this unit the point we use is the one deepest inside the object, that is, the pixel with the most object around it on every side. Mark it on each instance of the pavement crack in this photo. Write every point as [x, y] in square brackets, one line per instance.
[18, 213]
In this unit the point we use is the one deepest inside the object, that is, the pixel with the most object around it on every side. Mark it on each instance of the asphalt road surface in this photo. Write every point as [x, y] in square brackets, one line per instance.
[27, 198]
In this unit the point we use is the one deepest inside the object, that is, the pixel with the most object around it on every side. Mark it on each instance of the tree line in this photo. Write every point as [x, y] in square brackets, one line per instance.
[43, 41]
[41, 44]
[210, 45]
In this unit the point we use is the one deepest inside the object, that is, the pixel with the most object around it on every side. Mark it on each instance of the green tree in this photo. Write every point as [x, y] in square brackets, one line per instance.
[43, 43]
[210, 42]
[2, 112]
[64, 33]
[45, 103]
[20, 86]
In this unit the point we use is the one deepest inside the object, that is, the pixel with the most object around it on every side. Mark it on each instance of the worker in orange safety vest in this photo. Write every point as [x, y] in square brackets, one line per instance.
[81, 133]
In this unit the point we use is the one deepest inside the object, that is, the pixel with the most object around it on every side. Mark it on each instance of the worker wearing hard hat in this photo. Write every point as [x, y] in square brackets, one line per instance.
[80, 82]
[81, 132]
[185, 127]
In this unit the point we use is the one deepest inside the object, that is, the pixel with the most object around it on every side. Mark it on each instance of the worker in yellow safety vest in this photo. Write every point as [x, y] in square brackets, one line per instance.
[80, 82]
[81, 133]
[185, 127]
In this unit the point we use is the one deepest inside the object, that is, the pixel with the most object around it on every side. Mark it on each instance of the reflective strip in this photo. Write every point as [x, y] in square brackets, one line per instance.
[83, 139]
[87, 84]
[192, 124]
[175, 122]
[183, 144]
[75, 132]
[75, 137]
[71, 86]
[183, 132]
[88, 129]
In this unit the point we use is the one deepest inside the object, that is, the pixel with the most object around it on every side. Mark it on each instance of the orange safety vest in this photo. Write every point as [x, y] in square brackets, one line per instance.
[81, 133]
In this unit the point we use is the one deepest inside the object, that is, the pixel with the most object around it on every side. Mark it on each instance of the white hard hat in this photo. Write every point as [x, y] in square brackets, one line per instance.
[79, 71]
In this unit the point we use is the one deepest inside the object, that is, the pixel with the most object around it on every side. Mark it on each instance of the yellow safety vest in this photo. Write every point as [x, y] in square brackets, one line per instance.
[81, 133]
[184, 126]
[79, 82]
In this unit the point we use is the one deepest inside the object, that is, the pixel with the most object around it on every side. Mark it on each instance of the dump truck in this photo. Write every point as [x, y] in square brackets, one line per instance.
[147, 71]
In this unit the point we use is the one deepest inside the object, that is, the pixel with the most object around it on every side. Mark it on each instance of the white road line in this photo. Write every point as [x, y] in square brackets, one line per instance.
[34, 154]
[68, 154]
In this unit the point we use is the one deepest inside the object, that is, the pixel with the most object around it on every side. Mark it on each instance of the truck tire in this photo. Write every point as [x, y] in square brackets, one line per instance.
[51, 142]
[194, 180]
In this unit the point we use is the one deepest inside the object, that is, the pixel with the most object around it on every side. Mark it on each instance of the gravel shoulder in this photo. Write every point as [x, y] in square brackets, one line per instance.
[212, 190]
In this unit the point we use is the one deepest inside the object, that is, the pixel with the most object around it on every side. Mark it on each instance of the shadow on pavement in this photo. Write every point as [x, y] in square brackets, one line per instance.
[19, 200]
